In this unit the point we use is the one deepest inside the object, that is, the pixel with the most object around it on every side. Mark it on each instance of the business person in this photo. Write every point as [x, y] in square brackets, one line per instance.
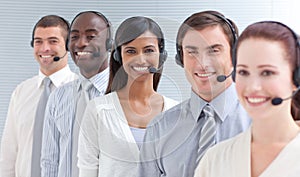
[21, 140]
[176, 140]
[266, 72]
[113, 126]
[90, 43]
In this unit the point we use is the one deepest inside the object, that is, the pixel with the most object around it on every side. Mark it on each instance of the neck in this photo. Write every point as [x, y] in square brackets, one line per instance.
[273, 130]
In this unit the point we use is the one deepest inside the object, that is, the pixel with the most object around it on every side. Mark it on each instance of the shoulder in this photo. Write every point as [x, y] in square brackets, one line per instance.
[28, 84]
[168, 103]
[168, 117]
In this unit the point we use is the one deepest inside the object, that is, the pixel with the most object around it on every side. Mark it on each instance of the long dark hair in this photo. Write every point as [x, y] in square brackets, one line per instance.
[129, 30]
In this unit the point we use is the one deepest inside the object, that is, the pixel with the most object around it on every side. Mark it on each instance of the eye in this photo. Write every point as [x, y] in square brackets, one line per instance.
[242, 72]
[214, 51]
[38, 42]
[267, 73]
[74, 37]
[130, 51]
[53, 41]
[148, 51]
[192, 52]
[91, 37]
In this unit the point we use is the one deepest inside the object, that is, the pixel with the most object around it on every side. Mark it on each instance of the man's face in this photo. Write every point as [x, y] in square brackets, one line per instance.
[88, 44]
[47, 43]
[206, 55]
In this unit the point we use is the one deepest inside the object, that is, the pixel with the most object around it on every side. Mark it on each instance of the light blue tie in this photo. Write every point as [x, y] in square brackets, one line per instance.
[86, 85]
[208, 132]
[38, 129]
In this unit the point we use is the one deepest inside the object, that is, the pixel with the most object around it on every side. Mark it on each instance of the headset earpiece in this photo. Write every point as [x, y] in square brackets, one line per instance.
[163, 57]
[109, 44]
[117, 55]
[178, 57]
[296, 77]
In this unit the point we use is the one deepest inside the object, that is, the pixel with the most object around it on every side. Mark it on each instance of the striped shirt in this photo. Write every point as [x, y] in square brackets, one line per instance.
[56, 158]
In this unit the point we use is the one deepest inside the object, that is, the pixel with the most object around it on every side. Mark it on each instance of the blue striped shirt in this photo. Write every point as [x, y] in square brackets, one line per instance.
[56, 158]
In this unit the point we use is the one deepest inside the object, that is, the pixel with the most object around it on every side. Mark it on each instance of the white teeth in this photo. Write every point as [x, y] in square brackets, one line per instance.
[204, 75]
[83, 53]
[256, 100]
[140, 68]
[46, 56]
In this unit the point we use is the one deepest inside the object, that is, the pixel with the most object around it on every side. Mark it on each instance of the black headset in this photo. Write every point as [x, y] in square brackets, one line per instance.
[109, 40]
[179, 53]
[296, 72]
[60, 18]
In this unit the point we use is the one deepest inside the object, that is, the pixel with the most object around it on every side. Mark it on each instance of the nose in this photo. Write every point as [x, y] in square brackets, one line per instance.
[81, 42]
[255, 84]
[141, 58]
[45, 46]
[202, 61]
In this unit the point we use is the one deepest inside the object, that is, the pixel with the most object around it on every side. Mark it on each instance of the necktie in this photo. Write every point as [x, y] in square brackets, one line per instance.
[81, 105]
[38, 129]
[208, 132]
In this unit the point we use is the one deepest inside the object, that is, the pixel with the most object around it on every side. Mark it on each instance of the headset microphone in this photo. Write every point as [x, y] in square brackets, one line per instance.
[278, 100]
[222, 78]
[57, 58]
[153, 70]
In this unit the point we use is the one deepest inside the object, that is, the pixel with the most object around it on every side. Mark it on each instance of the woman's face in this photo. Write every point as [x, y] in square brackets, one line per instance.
[139, 55]
[263, 73]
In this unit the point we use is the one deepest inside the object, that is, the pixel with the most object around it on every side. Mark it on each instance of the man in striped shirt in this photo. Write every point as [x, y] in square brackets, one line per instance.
[90, 43]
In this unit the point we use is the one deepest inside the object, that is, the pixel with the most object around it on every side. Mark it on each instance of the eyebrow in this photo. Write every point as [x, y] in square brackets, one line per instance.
[215, 46]
[39, 38]
[260, 66]
[129, 47]
[191, 47]
[88, 30]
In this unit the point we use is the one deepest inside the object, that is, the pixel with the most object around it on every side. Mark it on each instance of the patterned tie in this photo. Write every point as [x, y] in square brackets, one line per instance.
[208, 132]
[38, 129]
[81, 105]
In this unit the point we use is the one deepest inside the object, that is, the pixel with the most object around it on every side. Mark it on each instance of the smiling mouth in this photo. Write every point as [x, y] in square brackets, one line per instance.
[141, 68]
[82, 53]
[204, 74]
[256, 100]
[45, 56]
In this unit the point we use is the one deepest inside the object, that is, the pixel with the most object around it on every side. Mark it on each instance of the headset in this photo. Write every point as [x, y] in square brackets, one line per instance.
[296, 72]
[163, 54]
[109, 39]
[56, 16]
[179, 53]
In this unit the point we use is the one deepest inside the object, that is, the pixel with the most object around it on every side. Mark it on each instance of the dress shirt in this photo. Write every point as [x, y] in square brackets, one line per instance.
[171, 140]
[16, 145]
[107, 147]
[60, 113]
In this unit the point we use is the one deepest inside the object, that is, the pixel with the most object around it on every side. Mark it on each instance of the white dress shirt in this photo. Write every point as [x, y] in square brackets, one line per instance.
[17, 138]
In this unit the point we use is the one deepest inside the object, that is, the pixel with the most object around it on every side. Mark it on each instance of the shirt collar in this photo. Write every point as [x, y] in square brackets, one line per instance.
[99, 81]
[56, 78]
[222, 104]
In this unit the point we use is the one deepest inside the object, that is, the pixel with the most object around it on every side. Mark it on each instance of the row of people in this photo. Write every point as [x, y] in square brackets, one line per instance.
[110, 138]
